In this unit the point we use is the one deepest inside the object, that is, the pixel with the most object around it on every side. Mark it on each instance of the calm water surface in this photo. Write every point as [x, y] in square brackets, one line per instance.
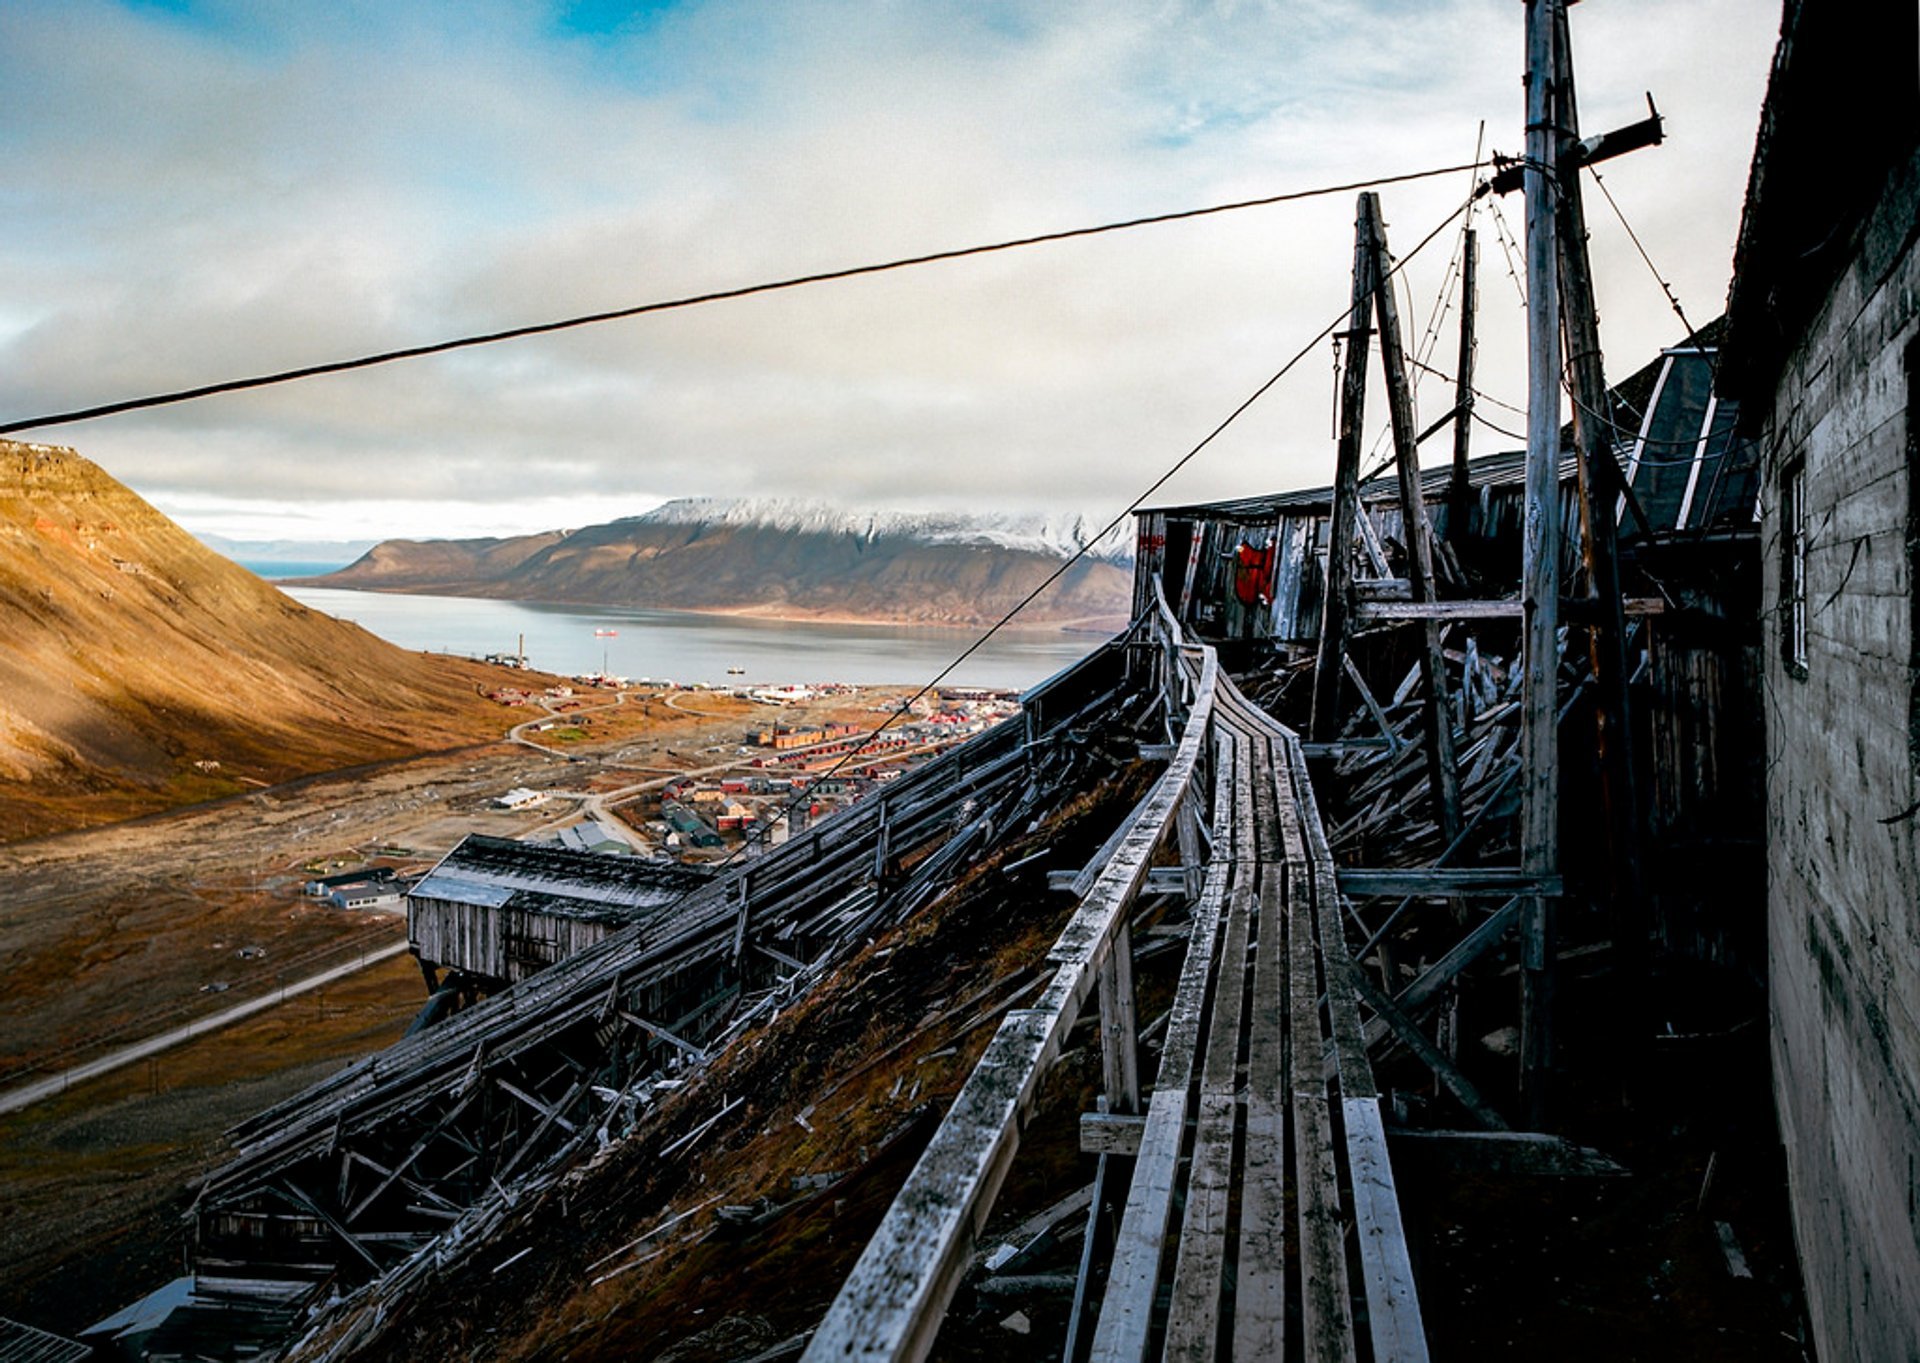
[690, 648]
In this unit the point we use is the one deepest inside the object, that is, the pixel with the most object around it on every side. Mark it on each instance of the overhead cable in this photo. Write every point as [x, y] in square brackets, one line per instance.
[693, 300]
[905, 707]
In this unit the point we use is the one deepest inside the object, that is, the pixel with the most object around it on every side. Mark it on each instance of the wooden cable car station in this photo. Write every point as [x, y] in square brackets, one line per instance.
[1161, 1022]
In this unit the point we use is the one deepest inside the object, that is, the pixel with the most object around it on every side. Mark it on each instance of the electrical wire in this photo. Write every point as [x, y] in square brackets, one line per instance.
[1673, 299]
[692, 300]
[905, 707]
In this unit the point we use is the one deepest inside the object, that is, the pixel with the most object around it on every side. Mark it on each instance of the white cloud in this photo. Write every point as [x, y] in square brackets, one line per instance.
[254, 187]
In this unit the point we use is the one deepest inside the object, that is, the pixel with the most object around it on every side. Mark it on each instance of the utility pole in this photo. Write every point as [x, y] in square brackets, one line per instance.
[1606, 639]
[1442, 774]
[1540, 567]
[1330, 664]
[1459, 491]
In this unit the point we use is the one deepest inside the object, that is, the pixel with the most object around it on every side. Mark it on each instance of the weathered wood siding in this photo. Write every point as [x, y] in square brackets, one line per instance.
[499, 944]
[1843, 839]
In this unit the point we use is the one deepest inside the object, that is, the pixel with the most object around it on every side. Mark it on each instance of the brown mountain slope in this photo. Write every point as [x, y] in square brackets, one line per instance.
[136, 660]
[741, 566]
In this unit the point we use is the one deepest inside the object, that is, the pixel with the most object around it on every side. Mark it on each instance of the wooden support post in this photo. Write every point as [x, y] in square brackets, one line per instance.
[1442, 775]
[1599, 545]
[1327, 716]
[1540, 568]
[1119, 1034]
[1459, 489]
[1193, 873]
[1430, 1055]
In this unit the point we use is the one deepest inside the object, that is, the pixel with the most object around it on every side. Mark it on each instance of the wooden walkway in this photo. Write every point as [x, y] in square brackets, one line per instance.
[1260, 1144]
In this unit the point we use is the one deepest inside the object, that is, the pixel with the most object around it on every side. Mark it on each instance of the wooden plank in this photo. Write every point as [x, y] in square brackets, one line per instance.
[1530, 1154]
[1126, 1312]
[892, 1303]
[1193, 1317]
[1393, 1301]
[1111, 1133]
[1326, 1313]
[1260, 1300]
[1394, 1323]
[1446, 882]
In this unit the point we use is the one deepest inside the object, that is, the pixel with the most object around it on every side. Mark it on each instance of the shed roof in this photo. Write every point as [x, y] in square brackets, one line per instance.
[500, 873]
[1688, 465]
[1842, 115]
[24, 1344]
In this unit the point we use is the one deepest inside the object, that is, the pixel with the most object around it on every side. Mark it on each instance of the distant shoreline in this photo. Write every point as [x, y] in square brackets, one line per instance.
[1080, 625]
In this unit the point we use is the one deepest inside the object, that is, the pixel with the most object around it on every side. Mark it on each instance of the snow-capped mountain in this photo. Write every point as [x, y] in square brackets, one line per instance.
[795, 559]
[1060, 535]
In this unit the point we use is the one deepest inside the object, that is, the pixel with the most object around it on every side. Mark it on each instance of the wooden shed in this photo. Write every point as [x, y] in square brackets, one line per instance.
[500, 910]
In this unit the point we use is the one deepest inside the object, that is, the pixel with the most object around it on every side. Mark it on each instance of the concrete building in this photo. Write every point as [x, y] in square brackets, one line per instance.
[1824, 354]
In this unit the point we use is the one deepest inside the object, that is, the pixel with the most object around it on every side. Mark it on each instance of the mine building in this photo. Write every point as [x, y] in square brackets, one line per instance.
[496, 911]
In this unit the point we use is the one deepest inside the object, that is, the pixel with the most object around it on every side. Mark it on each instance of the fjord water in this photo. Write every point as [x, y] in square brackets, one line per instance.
[689, 648]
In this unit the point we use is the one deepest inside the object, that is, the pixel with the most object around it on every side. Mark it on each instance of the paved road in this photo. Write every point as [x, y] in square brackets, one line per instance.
[28, 1094]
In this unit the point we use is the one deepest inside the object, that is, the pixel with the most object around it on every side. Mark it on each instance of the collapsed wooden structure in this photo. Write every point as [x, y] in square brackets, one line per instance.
[1217, 1221]
[1240, 1165]
[387, 1170]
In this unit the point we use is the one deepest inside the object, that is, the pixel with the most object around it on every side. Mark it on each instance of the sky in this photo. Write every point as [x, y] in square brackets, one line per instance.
[198, 190]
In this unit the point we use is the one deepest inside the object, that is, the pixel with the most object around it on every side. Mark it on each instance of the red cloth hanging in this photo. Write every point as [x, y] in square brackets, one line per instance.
[1253, 573]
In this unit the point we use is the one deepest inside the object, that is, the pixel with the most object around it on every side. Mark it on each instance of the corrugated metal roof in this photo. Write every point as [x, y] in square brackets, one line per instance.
[500, 873]
[1688, 466]
[24, 1344]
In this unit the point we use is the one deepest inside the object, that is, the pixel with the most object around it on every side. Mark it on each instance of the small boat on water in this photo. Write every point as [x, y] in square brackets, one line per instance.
[736, 671]
[606, 634]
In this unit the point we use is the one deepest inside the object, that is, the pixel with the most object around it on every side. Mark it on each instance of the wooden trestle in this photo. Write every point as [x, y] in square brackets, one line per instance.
[390, 1167]
[1245, 1173]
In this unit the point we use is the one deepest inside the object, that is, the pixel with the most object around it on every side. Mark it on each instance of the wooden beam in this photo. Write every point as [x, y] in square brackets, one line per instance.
[1327, 713]
[1442, 771]
[1606, 643]
[891, 1305]
[1459, 486]
[1372, 612]
[1430, 1055]
[1416, 997]
[1368, 699]
[1540, 566]
[655, 1029]
[1531, 1154]
[1119, 1029]
[1111, 1133]
[1446, 881]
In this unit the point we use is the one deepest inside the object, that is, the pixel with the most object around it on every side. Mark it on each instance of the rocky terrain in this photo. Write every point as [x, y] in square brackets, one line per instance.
[796, 560]
[144, 671]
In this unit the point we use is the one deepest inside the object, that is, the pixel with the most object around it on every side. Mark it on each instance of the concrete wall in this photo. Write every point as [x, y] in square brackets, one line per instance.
[1843, 840]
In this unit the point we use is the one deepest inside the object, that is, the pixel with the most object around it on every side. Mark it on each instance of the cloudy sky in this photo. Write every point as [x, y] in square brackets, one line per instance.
[202, 189]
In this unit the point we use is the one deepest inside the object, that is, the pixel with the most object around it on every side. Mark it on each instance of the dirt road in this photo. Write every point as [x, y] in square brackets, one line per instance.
[28, 1094]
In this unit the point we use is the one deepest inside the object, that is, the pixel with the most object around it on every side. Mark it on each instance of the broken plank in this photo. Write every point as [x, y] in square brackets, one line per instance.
[1526, 1153]
[1430, 1055]
[1446, 882]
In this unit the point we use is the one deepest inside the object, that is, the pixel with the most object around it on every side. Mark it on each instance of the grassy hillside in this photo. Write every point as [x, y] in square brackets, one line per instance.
[143, 671]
